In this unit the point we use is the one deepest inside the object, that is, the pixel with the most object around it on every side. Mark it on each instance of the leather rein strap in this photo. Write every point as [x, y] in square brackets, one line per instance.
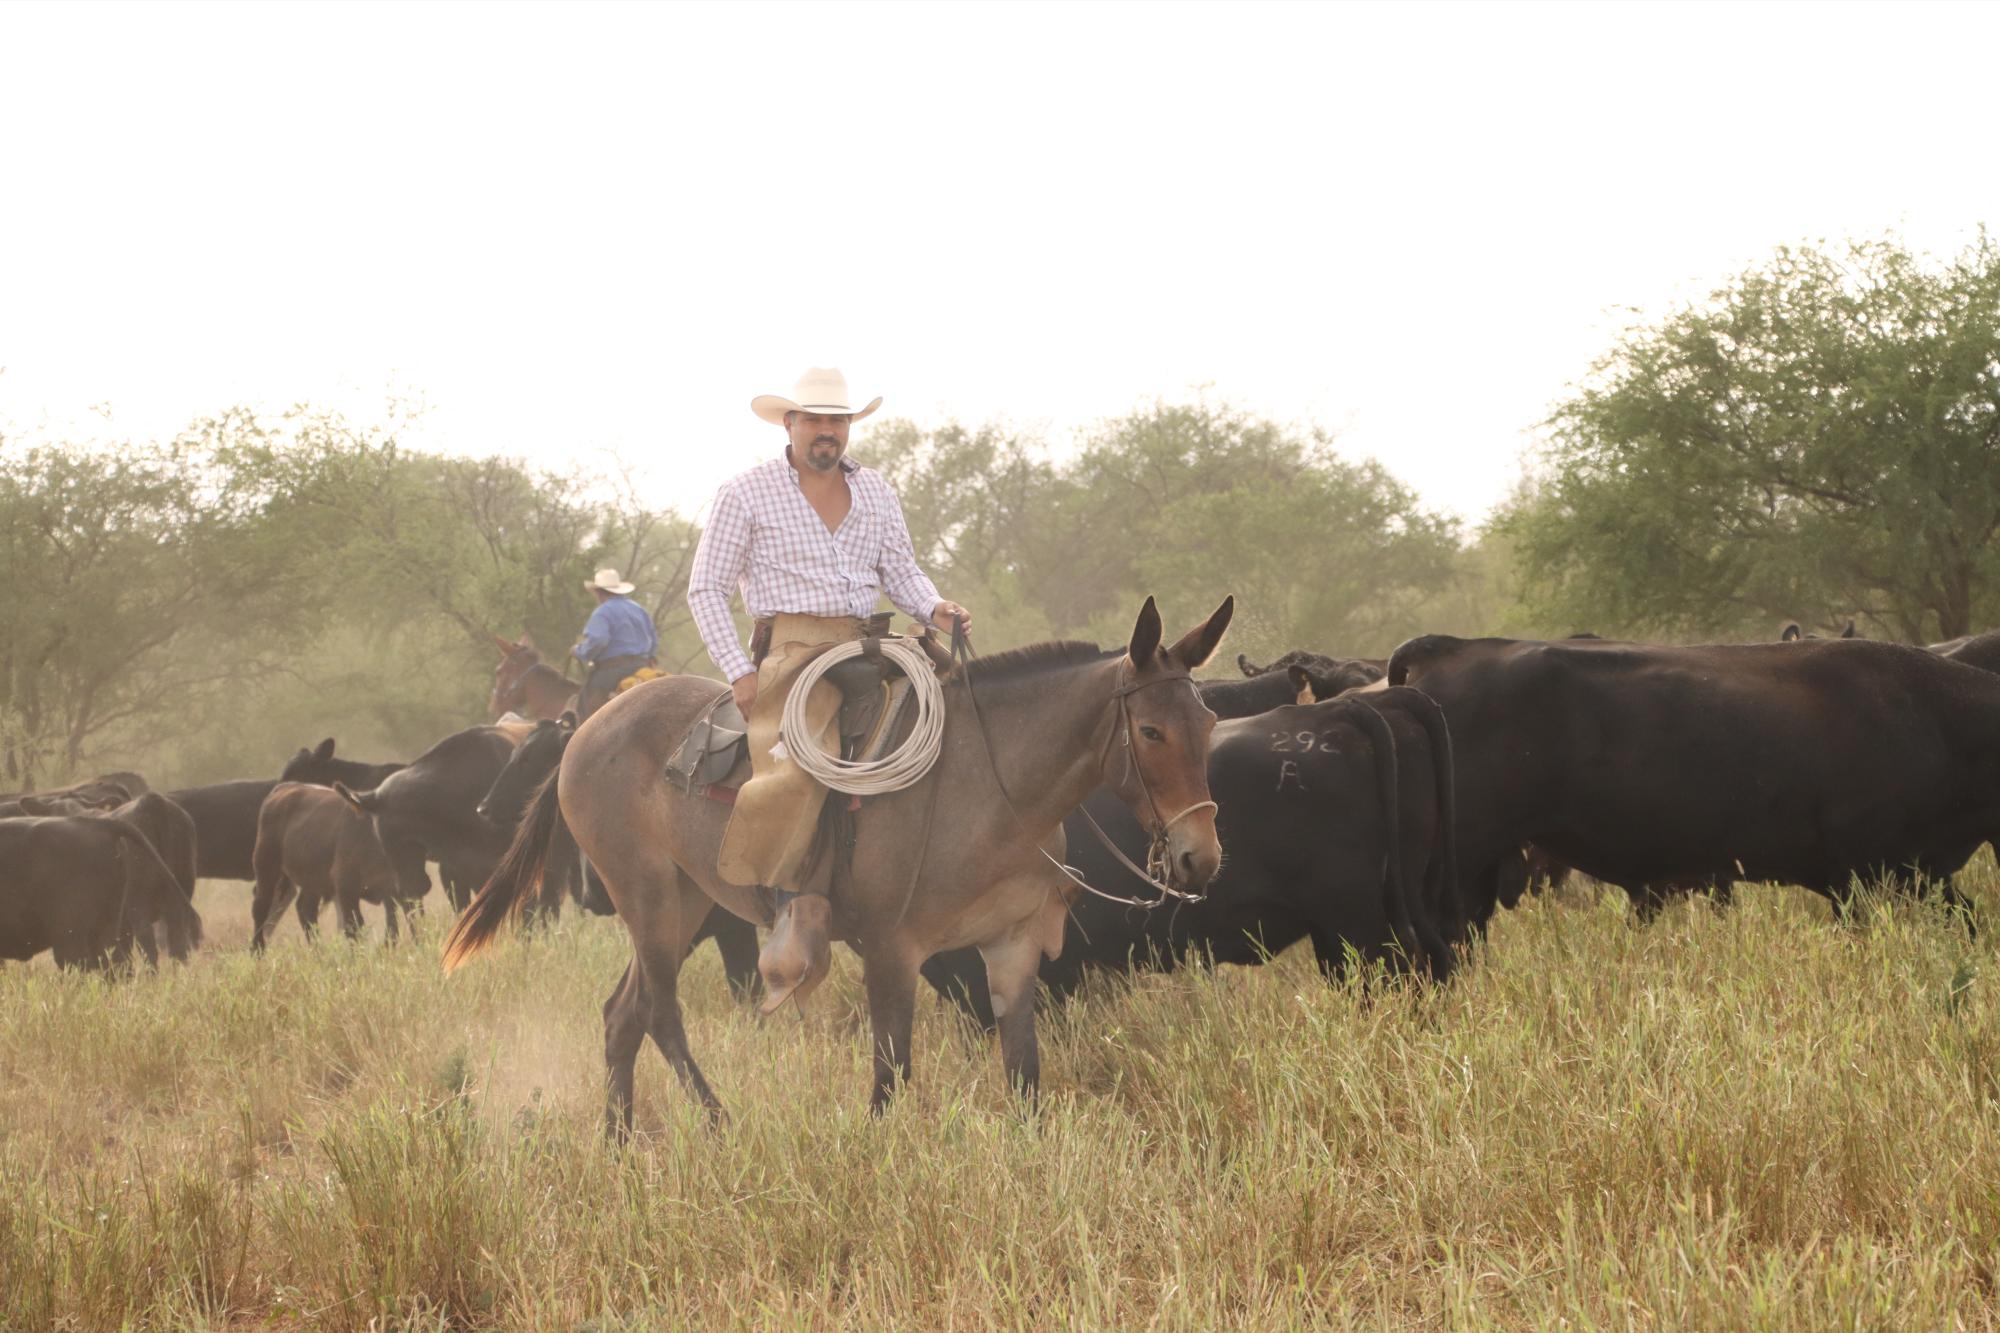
[1157, 850]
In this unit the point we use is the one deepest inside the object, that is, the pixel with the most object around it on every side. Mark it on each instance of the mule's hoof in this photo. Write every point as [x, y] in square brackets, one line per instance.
[796, 957]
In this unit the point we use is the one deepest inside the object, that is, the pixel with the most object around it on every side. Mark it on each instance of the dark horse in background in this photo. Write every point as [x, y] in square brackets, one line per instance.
[525, 685]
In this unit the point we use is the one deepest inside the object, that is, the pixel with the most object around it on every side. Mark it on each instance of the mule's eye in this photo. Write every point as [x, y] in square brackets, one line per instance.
[1152, 733]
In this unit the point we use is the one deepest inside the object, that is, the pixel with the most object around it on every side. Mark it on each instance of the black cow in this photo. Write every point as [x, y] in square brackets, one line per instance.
[319, 767]
[82, 886]
[95, 794]
[1973, 650]
[1330, 675]
[225, 825]
[1808, 763]
[529, 767]
[428, 810]
[1368, 668]
[1336, 820]
[171, 832]
[1793, 633]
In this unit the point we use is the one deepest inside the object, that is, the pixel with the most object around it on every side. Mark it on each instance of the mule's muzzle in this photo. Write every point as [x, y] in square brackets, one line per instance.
[1194, 853]
[1193, 867]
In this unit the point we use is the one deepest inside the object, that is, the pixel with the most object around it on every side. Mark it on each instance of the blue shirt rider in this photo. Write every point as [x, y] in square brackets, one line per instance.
[618, 639]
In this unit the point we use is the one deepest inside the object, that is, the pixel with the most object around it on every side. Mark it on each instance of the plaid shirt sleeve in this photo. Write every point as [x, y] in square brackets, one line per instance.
[721, 559]
[907, 585]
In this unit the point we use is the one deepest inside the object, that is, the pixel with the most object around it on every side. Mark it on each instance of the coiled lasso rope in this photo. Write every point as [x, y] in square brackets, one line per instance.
[902, 767]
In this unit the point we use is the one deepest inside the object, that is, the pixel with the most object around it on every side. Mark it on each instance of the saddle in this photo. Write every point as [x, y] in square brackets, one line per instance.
[876, 715]
[714, 747]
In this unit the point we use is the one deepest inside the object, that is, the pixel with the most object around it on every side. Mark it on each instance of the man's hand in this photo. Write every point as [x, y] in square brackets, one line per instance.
[945, 612]
[744, 687]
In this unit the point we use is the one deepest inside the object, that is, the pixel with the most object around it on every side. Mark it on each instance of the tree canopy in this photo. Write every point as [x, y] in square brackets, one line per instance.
[217, 600]
[1819, 437]
[1187, 501]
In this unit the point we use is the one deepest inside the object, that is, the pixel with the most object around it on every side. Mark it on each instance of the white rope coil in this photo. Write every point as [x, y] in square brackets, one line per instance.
[902, 767]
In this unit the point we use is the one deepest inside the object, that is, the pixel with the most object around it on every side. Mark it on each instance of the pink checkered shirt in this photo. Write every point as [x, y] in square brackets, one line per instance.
[763, 537]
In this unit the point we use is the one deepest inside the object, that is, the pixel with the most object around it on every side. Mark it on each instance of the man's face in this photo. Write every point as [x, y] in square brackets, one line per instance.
[817, 441]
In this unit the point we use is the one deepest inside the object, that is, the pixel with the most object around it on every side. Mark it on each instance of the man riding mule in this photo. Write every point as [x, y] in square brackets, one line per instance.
[618, 640]
[812, 540]
[970, 854]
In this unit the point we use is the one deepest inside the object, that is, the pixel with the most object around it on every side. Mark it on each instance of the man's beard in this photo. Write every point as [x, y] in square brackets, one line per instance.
[823, 462]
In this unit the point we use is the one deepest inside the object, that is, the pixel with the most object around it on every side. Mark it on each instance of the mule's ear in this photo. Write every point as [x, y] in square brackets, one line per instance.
[1791, 633]
[527, 640]
[1145, 636]
[1849, 633]
[1244, 664]
[506, 648]
[1199, 644]
[568, 720]
[324, 751]
[1302, 683]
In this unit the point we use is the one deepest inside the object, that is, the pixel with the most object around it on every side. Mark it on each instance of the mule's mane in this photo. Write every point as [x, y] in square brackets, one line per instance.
[1033, 660]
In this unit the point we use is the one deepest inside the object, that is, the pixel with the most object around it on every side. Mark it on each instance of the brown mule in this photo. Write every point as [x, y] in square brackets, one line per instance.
[1048, 724]
[525, 685]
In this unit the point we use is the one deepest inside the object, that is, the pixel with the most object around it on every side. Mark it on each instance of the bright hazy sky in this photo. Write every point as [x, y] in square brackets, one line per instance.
[579, 231]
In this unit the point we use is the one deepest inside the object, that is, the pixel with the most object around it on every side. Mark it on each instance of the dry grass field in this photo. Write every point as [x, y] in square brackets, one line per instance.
[1750, 1118]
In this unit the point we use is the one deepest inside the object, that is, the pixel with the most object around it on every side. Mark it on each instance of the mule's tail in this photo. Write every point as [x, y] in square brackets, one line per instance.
[515, 880]
[1395, 890]
[148, 881]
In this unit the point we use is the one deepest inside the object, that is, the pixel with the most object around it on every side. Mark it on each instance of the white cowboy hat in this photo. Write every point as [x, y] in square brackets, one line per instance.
[607, 580]
[823, 391]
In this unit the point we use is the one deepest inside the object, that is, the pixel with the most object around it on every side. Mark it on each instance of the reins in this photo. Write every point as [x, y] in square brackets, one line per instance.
[1158, 850]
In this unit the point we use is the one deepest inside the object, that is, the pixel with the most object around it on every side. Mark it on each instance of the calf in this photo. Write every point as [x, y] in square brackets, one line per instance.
[317, 842]
[80, 886]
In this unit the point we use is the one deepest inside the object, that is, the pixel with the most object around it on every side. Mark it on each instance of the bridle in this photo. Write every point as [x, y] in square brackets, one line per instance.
[516, 691]
[1159, 847]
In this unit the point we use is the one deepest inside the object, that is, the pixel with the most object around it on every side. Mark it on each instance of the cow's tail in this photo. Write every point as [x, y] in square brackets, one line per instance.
[364, 801]
[177, 836]
[1441, 879]
[515, 880]
[147, 880]
[1415, 654]
[1395, 892]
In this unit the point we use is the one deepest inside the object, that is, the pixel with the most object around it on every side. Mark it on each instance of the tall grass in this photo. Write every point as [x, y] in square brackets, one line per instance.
[1752, 1117]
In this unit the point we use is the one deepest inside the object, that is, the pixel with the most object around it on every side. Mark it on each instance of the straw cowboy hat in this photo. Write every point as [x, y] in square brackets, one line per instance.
[822, 391]
[607, 580]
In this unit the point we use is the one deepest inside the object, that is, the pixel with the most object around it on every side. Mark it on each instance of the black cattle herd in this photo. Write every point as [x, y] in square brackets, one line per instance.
[1382, 810]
